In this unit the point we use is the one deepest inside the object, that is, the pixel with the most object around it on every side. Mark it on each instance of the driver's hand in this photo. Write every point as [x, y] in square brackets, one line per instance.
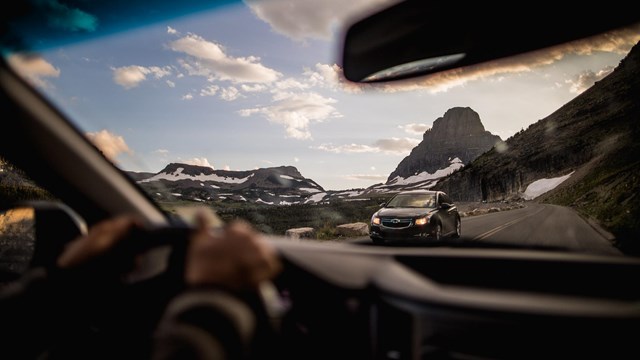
[236, 257]
[101, 238]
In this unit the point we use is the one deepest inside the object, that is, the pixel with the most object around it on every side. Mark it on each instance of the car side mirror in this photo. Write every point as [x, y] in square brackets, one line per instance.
[34, 233]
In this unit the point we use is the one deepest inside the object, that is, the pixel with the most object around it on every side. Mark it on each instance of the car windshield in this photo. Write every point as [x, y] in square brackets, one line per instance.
[243, 107]
[413, 201]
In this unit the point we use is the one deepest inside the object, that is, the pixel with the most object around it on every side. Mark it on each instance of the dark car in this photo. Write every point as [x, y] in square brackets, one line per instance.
[416, 215]
[249, 83]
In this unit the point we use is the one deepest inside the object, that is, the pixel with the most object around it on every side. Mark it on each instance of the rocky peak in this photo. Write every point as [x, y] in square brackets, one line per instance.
[187, 169]
[458, 122]
[459, 133]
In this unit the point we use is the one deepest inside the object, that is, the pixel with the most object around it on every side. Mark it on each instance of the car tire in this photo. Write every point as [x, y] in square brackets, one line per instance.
[458, 231]
[437, 233]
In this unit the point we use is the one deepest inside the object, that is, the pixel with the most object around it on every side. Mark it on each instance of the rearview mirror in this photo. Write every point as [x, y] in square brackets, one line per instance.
[419, 37]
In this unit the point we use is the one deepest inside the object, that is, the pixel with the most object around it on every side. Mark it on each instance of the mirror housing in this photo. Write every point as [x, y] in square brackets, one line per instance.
[419, 37]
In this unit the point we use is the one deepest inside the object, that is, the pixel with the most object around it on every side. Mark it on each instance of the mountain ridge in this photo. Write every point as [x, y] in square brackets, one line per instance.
[203, 183]
[594, 137]
[459, 133]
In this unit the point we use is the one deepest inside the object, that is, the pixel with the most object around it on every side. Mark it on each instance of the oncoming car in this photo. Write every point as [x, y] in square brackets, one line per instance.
[416, 215]
[302, 115]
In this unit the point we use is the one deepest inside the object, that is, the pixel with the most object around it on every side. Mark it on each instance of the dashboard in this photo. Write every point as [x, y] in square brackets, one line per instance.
[386, 303]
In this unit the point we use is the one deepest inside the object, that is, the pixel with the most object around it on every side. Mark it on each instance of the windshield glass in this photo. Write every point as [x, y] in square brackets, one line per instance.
[415, 201]
[244, 108]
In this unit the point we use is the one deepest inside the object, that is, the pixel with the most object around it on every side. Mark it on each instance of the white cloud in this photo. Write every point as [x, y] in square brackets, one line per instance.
[34, 69]
[209, 59]
[171, 30]
[198, 162]
[226, 167]
[367, 177]
[373, 168]
[210, 90]
[230, 94]
[587, 78]
[291, 83]
[347, 148]
[389, 146]
[131, 76]
[296, 112]
[253, 88]
[397, 145]
[171, 84]
[110, 144]
[162, 152]
[414, 128]
[303, 19]
[187, 97]
[332, 77]
[296, 159]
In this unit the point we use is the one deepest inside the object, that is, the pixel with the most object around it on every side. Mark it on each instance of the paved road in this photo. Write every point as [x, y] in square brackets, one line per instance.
[536, 225]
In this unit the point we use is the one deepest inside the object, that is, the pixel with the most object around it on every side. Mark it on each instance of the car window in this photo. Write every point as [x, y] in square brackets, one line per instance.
[17, 221]
[244, 108]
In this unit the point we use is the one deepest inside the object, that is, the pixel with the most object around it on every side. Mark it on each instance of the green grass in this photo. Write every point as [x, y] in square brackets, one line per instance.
[277, 219]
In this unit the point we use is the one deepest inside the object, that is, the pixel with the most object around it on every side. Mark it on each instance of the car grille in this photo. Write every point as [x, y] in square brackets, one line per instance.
[396, 223]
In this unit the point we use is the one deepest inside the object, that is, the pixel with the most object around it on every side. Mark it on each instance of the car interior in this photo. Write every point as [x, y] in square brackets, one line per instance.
[347, 301]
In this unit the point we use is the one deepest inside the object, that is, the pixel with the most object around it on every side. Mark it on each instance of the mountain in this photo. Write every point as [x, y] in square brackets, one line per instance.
[275, 186]
[454, 140]
[591, 142]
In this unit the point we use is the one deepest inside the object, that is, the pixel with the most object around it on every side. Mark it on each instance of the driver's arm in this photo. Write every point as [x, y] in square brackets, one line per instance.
[209, 320]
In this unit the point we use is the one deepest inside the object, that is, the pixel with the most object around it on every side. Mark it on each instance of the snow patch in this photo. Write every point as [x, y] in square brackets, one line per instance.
[263, 202]
[311, 190]
[349, 193]
[543, 185]
[289, 177]
[424, 176]
[316, 197]
[178, 175]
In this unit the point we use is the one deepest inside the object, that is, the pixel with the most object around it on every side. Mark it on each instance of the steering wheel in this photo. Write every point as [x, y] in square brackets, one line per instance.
[133, 303]
[207, 321]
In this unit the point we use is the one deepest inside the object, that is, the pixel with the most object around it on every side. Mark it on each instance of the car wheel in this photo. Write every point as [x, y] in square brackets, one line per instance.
[437, 233]
[377, 241]
[458, 228]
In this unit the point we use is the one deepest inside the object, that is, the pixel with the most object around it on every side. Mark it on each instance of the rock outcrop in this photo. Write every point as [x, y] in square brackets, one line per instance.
[458, 134]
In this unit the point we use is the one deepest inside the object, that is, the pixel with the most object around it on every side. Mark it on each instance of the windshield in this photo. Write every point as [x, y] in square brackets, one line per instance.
[244, 108]
[413, 201]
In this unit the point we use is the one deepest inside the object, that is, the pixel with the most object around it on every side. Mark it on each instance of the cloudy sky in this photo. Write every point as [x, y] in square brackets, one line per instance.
[257, 84]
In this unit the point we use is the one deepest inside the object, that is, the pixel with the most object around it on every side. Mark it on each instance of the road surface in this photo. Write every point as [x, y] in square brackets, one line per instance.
[536, 226]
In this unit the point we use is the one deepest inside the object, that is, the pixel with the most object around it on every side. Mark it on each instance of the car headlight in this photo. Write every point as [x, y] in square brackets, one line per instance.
[375, 220]
[422, 221]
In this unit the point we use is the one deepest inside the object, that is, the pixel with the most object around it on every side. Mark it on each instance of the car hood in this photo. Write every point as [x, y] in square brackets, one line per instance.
[404, 212]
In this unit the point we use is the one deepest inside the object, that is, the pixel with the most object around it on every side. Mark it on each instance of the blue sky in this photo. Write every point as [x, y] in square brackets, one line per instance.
[245, 87]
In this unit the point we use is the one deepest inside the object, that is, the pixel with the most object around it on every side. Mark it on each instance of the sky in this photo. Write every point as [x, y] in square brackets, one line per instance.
[257, 84]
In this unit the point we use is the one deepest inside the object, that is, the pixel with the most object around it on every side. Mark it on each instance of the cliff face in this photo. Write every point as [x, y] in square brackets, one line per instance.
[459, 133]
[594, 137]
